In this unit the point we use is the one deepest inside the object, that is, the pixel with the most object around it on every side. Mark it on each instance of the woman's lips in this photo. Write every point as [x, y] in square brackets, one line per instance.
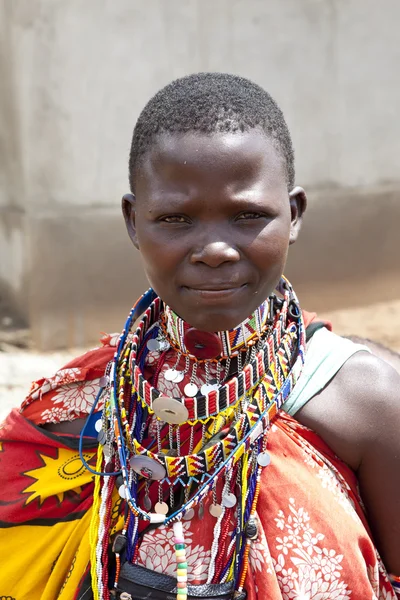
[215, 294]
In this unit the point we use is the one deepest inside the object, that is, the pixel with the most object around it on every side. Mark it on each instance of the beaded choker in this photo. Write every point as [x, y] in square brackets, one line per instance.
[142, 435]
[231, 342]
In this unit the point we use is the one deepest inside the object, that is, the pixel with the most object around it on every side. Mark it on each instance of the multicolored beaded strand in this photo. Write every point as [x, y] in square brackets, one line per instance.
[181, 561]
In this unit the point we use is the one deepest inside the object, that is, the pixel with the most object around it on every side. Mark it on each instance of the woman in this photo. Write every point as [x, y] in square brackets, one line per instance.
[244, 449]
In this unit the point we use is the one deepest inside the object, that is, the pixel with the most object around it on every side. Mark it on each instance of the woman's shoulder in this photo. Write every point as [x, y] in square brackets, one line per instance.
[357, 404]
[69, 393]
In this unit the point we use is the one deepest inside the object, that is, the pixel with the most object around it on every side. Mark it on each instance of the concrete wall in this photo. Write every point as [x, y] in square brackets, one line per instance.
[74, 76]
[12, 214]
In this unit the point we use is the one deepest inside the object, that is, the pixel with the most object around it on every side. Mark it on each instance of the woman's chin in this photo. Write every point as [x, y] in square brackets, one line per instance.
[207, 318]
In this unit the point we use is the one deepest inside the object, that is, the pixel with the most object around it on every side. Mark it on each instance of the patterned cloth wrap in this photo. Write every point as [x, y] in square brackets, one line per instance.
[313, 544]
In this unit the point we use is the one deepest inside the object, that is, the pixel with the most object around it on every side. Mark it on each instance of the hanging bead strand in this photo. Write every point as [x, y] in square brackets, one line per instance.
[181, 561]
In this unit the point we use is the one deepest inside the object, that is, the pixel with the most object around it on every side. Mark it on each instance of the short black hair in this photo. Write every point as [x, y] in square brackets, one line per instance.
[209, 103]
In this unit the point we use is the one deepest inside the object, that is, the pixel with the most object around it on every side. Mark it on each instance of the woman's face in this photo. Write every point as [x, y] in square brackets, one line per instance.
[213, 221]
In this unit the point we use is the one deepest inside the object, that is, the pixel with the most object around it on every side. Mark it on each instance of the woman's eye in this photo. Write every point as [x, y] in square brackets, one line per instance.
[174, 219]
[249, 215]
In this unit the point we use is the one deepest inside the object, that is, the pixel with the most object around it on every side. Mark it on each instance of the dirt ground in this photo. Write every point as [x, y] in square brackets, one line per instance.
[20, 366]
[378, 322]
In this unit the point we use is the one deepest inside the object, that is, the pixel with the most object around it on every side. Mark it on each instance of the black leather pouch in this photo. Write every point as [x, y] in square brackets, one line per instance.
[144, 584]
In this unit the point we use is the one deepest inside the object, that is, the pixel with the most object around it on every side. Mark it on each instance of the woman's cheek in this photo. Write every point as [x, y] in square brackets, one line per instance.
[269, 247]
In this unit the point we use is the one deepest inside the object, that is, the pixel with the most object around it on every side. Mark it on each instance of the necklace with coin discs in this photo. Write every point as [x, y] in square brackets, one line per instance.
[192, 436]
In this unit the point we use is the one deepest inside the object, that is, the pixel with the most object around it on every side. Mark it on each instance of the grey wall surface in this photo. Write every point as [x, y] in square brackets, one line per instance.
[74, 76]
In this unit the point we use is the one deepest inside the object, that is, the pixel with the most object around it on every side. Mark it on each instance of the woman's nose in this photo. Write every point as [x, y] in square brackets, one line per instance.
[214, 254]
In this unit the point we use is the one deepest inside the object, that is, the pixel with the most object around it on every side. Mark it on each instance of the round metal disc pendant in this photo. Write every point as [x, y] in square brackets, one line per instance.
[101, 438]
[98, 425]
[103, 381]
[147, 467]
[179, 376]
[153, 345]
[229, 500]
[170, 410]
[170, 374]
[174, 375]
[263, 459]
[215, 510]
[189, 514]
[191, 390]
[161, 508]
[122, 491]
[204, 345]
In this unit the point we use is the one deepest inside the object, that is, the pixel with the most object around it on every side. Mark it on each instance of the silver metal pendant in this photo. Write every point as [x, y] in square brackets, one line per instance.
[107, 451]
[174, 376]
[215, 510]
[200, 512]
[263, 459]
[229, 500]
[161, 508]
[189, 514]
[153, 345]
[191, 390]
[103, 381]
[170, 374]
[180, 375]
[147, 503]
[102, 438]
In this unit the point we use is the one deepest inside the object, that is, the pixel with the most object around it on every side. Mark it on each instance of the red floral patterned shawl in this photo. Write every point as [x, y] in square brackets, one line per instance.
[314, 542]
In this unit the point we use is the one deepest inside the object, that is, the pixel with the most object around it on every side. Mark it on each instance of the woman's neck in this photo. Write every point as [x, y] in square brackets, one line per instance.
[231, 342]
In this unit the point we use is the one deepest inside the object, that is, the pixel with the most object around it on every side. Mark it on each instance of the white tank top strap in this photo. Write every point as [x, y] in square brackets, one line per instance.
[326, 354]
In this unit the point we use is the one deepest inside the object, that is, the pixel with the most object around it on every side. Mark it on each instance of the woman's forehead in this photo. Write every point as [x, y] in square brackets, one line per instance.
[214, 158]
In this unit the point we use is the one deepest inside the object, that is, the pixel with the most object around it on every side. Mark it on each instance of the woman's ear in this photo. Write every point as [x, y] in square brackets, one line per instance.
[298, 205]
[129, 212]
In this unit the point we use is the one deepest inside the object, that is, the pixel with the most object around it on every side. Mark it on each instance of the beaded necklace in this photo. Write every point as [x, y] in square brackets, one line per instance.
[243, 336]
[225, 464]
[216, 398]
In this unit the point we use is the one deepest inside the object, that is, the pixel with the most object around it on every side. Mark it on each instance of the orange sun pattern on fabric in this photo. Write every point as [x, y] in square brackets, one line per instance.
[313, 544]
